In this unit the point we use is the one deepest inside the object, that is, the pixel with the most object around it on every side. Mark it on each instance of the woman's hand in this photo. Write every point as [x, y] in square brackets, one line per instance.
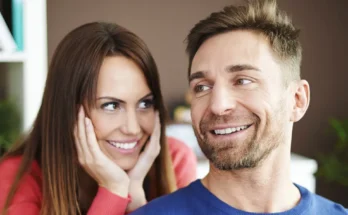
[101, 168]
[138, 173]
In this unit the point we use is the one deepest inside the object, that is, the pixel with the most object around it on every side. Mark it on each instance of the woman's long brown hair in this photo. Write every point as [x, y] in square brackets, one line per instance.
[72, 80]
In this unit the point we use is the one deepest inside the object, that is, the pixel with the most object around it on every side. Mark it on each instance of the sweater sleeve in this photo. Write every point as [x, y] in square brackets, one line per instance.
[106, 202]
[184, 162]
[27, 199]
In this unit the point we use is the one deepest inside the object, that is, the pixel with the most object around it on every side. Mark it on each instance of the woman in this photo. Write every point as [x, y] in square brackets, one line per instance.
[97, 145]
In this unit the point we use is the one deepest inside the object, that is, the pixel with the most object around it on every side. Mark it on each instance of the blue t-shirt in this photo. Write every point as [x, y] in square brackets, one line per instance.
[195, 199]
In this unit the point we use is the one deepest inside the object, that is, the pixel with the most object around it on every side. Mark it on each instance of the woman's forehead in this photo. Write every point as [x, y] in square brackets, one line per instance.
[120, 77]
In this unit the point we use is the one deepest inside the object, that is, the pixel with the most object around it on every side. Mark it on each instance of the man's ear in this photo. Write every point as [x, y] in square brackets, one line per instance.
[301, 98]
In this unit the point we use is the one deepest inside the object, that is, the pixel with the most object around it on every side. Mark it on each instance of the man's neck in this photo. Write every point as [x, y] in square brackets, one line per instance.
[264, 189]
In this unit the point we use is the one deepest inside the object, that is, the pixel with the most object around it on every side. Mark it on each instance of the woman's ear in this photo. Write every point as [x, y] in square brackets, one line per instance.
[301, 98]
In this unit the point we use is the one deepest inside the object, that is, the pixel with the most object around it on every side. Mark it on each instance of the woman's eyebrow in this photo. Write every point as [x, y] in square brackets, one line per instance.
[111, 98]
[147, 96]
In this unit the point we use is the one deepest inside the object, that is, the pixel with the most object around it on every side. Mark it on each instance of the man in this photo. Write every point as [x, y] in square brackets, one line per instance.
[244, 74]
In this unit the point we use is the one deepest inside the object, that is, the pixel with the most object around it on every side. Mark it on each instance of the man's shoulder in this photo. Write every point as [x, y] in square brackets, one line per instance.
[312, 203]
[325, 206]
[175, 203]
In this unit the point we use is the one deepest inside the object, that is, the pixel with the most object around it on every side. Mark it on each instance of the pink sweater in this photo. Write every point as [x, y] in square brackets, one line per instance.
[28, 197]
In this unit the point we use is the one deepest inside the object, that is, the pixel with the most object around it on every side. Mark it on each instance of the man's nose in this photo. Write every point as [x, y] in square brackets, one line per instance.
[222, 100]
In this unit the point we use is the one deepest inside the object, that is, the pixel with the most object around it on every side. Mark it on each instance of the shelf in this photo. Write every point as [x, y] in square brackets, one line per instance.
[12, 57]
[26, 71]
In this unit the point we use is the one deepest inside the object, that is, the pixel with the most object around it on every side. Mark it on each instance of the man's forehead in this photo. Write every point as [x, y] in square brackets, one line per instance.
[233, 49]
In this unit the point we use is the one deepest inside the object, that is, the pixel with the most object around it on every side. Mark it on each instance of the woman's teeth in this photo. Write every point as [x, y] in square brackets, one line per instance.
[123, 145]
[230, 130]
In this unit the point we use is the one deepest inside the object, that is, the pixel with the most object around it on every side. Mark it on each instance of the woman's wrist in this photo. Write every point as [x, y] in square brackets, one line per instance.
[136, 190]
[120, 189]
[137, 194]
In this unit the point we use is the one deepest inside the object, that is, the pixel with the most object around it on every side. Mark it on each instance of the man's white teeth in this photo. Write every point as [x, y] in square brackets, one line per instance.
[124, 145]
[230, 130]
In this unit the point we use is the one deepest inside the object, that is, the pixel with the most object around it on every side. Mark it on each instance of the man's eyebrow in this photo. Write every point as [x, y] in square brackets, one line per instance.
[241, 67]
[196, 75]
[232, 68]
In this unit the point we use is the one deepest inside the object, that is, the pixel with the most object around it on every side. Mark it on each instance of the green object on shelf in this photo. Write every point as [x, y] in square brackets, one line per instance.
[10, 124]
[334, 166]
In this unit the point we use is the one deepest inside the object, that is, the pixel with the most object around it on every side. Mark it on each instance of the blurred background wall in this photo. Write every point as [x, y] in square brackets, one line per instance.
[164, 24]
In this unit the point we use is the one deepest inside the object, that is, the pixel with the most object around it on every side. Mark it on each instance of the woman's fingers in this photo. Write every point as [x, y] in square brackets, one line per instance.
[80, 153]
[148, 156]
[153, 148]
[92, 142]
[81, 138]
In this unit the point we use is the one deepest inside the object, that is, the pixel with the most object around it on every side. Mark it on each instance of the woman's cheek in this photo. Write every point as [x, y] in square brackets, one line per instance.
[104, 124]
[147, 122]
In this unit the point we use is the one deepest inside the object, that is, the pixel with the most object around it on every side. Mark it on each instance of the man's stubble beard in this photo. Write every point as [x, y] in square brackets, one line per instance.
[247, 154]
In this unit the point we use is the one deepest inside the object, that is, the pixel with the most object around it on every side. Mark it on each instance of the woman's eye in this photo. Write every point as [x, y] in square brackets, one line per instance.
[110, 106]
[146, 104]
[201, 88]
[243, 81]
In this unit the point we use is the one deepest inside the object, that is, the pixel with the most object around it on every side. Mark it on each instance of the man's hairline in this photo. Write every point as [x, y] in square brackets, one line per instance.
[283, 65]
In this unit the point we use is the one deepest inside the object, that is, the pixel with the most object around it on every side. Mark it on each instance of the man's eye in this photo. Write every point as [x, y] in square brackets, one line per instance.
[201, 88]
[110, 106]
[243, 81]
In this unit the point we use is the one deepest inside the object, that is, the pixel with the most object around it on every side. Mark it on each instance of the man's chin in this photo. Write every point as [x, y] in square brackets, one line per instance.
[235, 165]
[232, 161]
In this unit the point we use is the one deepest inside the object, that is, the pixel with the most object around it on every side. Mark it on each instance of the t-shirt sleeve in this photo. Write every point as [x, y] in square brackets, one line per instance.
[28, 197]
[184, 162]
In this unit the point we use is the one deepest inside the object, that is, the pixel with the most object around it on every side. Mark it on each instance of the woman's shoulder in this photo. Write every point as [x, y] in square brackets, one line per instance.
[29, 187]
[184, 161]
[180, 150]
[10, 166]
[176, 145]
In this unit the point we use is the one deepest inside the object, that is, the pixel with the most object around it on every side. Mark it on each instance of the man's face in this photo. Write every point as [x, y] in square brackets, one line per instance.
[240, 108]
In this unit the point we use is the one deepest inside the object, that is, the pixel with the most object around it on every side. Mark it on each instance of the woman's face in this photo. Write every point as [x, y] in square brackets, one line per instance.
[124, 114]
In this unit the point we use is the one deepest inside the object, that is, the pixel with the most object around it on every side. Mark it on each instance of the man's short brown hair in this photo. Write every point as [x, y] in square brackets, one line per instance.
[261, 16]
